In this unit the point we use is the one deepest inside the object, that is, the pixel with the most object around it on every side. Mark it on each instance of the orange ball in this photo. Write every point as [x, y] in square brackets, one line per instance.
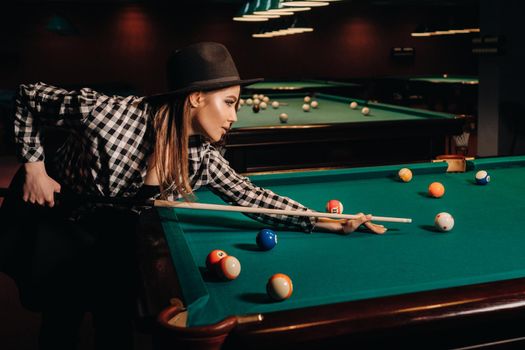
[436, 190]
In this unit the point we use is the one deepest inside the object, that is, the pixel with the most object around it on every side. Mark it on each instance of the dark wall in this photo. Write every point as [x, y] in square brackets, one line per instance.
[128, 43]
[501, 94]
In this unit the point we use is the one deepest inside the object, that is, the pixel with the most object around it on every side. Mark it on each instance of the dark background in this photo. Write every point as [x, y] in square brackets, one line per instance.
[128, 42]
[121, 47]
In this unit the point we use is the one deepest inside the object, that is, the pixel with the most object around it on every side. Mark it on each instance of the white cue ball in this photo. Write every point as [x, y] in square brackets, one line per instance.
[306, 107]
[444, 222]
[307, 99]
[283, 117]
[263, 105]
[275, 104]
[256, 101]
[249, 101]
[365, 111]
[266, 99]
[314, 104]
[353, 105]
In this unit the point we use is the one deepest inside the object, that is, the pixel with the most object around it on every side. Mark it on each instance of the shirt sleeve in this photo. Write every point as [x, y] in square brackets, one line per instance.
[40, 105]
[239, 190]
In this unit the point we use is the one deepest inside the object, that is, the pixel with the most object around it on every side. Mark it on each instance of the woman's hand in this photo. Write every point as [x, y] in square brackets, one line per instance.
[348, 226]
[352, 225]
[39, 188]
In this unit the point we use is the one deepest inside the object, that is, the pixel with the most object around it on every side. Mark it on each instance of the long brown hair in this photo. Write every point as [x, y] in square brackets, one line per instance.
[171, 123]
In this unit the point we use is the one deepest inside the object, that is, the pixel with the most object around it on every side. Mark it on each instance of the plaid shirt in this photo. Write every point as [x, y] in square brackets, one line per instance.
[110, 141]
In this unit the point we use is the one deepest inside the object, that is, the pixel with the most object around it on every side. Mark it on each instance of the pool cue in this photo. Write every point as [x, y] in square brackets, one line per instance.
[216, 207]
[258, 210]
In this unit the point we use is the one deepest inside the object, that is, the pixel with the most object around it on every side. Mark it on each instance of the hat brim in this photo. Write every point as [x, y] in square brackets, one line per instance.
[201, 87]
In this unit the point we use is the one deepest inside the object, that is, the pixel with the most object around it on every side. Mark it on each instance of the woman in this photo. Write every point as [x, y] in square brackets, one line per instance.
[158, 146]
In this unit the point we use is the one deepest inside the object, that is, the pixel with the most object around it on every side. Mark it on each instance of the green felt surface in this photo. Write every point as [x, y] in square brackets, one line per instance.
[450, 79]
[296, 85]
[332, 109]
[485, 245]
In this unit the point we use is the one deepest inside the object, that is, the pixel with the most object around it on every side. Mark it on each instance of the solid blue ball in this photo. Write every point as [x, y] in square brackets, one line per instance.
[266, 239]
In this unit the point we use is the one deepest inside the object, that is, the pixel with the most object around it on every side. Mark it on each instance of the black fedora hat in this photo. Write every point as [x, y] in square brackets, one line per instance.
[201, 67]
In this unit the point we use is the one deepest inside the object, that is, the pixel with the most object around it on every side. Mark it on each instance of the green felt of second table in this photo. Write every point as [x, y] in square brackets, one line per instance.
[447, 79]
[297, 85]
[331, 110]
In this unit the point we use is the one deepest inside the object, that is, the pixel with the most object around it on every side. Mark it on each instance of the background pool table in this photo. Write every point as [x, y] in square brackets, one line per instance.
[309, 86]
[447, 79]
[411, 286]
[335, 135]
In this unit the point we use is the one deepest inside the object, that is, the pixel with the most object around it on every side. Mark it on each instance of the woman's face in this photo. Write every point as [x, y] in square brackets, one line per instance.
[214, 112]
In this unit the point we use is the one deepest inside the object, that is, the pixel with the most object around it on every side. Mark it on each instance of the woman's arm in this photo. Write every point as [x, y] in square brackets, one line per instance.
[236, 189]
[40, 105]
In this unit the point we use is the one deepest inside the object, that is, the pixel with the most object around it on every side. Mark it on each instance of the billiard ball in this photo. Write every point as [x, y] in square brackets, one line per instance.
[306, 107]
[256, 101]
[365, 111]
[260, 97]
[242, 102]
[279, 287]
[353, 105]
[482, 177]
[256, 108]
[444, 222]
[334, 206]
[314, 104]
[249, 101]
[213, 258]
[404, 174]
[263, 105]
[266, 239]
[275, 104]
[229, 267]
[283, 117]
[266, 99]
[307, 99]
[436, 190]
[254, 96]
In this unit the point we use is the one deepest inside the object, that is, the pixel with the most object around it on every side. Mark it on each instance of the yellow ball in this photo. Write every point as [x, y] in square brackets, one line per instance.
[405, 174]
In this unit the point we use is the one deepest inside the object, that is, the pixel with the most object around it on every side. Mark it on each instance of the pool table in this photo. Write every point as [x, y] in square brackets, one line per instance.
[412, 286]
[448, 93]
[335, 135]
[308, 86]
[447, 79]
